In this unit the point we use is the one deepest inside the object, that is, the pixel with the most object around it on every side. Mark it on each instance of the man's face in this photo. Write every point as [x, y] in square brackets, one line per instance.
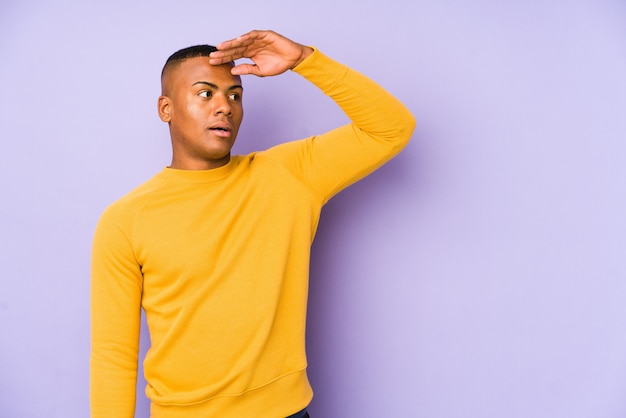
[203, 105]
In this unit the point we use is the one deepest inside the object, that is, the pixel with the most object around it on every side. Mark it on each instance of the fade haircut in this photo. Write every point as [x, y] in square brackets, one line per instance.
[185, 54]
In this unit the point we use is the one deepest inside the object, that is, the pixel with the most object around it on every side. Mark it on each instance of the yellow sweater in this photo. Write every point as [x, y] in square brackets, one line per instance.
[219, 261]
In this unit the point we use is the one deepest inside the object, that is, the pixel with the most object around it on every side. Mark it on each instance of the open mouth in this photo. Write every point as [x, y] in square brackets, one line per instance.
[221, 131]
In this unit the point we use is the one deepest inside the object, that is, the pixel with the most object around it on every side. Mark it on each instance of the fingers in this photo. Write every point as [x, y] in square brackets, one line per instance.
[271, 53]
[244, 46]
[223, 57]
[244, 69]
[240, 41]
[234, 49]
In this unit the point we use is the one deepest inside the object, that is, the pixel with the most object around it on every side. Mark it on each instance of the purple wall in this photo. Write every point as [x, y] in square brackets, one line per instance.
[482, 273]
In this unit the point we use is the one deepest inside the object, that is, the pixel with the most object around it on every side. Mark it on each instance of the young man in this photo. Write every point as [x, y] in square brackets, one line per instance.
[215, 247]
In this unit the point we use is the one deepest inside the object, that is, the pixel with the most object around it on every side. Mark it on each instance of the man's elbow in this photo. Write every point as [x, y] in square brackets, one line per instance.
[404, 130]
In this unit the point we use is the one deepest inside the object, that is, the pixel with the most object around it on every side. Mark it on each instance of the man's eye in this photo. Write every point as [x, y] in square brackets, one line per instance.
[205, 93]
[234, 96]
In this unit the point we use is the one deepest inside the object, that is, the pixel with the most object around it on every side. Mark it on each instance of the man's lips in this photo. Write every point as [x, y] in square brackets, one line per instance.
[221, 129]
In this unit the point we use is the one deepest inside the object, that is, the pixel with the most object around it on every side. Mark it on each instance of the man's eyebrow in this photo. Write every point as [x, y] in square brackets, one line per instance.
[215, 87]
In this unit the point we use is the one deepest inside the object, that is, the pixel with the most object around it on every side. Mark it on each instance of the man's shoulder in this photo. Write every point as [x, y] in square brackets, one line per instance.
[134, 199]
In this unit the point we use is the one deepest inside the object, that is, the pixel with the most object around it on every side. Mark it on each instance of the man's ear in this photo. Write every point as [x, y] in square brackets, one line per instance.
[163, 106]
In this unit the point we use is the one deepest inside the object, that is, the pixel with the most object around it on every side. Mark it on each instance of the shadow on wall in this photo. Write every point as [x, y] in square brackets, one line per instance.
[330, 288]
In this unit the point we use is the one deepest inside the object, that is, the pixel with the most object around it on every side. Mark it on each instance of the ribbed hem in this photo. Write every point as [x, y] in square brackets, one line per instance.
[279, 398]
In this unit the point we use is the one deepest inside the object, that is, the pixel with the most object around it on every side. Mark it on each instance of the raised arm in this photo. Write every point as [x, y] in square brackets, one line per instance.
[381, 125]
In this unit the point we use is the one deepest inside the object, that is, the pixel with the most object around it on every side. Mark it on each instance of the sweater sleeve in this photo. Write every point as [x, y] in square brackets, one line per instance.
[116, 285]
[381, 127]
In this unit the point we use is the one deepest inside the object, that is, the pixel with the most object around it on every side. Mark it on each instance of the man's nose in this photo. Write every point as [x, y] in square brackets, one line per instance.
[222, 105]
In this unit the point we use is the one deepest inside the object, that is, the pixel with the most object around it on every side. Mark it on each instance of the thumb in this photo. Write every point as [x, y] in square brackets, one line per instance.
[243, 69]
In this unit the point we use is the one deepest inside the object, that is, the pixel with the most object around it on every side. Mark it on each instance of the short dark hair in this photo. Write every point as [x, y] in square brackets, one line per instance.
[186, 53]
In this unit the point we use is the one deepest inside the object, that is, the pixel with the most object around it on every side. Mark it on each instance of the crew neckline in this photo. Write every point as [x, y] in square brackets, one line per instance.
[200, 176]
